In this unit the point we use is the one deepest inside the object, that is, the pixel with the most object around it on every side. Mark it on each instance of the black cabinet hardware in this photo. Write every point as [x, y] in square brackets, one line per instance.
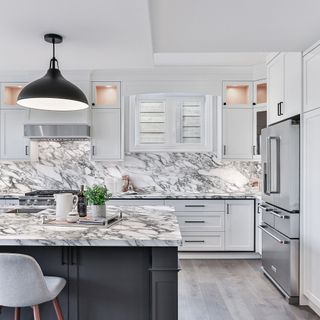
[93, 104]
[224, 103]
[194, 205]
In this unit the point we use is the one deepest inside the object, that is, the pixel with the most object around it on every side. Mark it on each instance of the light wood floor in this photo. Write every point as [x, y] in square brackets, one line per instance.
[232, 290]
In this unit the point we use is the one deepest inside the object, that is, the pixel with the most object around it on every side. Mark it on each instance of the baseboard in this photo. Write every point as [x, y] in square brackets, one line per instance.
[219, 255]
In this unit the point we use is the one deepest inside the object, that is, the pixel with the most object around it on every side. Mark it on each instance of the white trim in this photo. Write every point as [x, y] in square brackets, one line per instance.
[219, 255]
[308, 50]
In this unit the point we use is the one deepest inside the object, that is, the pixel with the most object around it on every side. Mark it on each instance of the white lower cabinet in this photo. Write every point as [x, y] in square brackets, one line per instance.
[239, 225]
[106, 134]
[215, 225]
[310, 239]
[13, 144]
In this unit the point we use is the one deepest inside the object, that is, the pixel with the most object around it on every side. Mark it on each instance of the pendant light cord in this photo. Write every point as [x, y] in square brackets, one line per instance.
[54, 61]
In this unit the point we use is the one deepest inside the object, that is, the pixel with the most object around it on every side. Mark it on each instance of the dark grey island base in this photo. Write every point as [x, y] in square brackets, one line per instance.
[111, 283]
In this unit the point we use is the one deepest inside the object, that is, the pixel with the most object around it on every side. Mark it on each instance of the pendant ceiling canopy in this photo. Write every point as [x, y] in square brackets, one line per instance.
[52, 92]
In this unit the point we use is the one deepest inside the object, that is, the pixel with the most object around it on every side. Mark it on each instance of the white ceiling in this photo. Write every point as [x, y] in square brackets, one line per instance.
[234, 25]
[98, 34]
[103, 34]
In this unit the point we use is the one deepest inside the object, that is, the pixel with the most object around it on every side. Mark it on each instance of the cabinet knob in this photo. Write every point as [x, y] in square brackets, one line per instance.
[224, 103]
[93, 104]
[253, 103]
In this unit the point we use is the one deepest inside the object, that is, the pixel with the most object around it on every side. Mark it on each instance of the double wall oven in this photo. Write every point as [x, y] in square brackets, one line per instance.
[280, 206]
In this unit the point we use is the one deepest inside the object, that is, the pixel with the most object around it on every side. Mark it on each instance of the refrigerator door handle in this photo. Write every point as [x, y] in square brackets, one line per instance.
[273, 187]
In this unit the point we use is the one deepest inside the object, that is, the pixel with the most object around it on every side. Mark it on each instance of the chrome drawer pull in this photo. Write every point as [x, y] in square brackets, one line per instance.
[194, 221]
[281, 216]
[263, 228]
[194, 205]
[262, 207]
[194, 241]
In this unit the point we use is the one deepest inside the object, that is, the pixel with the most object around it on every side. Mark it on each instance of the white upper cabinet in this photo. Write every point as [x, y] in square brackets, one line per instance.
[13, 144]
[106, 134]
[106, 121]
[9, 94]
[239, 225]
[311, 63]
[284, 86]
[106, 94]
[237, 133]
[237, 94]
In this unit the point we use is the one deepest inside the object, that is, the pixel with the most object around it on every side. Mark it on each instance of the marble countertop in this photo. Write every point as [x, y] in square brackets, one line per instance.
[141, 226]
[129, 195]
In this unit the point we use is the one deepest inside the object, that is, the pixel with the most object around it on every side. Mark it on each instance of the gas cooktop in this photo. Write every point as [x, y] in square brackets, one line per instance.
[48, 193]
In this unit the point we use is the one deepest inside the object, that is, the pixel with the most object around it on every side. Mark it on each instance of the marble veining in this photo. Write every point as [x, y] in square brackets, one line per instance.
[141, 226]
[67, 165]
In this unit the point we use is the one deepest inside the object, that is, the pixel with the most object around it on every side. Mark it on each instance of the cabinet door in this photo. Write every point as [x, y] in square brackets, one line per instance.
[310, 239]
[237, 94]
[53, 262]
[106, 94]
[239, 225]
[237, 133]
[106, 134]
[113, 283]
[311, 63]
[260, 93]
[292, 85]
[259, 123]
[13, 144]
[275, 74]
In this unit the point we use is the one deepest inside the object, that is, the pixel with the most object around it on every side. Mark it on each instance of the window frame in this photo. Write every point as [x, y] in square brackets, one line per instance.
[171, 123]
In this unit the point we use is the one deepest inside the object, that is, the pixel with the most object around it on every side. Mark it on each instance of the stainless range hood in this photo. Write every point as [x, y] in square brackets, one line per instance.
[57, 131]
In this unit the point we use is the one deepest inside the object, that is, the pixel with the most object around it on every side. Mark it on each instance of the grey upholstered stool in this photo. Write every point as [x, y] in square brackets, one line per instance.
[22, 284]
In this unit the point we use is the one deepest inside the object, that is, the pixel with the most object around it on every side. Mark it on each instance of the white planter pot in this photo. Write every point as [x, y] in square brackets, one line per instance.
[98, 211]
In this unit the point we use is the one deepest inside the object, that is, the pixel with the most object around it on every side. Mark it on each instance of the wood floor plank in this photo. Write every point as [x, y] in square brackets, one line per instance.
[232, 290]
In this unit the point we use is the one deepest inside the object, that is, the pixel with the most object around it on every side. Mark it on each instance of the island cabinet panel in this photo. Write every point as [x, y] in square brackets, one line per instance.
[112, 283]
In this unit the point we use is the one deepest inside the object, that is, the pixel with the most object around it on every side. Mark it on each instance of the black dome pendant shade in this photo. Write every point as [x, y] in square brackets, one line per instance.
[52, 91]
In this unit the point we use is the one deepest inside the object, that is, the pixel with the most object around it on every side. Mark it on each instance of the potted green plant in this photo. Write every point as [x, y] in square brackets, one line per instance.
[97, 196]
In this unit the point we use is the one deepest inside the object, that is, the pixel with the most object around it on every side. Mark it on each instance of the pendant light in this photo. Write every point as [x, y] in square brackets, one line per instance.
[52, 92]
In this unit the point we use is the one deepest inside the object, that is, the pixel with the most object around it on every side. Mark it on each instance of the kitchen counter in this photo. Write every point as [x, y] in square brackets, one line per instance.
[155, 196]
[105, 268]
[141, 226]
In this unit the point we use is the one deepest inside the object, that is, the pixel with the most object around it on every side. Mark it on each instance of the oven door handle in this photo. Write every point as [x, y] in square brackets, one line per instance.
[263, 228]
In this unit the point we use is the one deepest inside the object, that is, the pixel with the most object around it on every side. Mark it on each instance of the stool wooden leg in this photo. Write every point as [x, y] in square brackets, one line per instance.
[17, 313]
[57, 308]
[36, 312]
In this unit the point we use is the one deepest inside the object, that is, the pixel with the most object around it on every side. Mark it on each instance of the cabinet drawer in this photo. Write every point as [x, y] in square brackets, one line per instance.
[192, 241]
[197, 222]
[135, 202]
[196, 205]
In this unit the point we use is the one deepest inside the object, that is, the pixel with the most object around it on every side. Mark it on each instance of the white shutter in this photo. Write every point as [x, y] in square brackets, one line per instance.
[189, 122]
[152, 122]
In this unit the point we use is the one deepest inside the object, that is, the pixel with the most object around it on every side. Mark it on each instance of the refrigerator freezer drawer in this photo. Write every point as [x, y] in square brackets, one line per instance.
[280, 258]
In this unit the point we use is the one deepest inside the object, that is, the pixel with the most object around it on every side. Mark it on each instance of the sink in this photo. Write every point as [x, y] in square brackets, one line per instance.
[25, 210]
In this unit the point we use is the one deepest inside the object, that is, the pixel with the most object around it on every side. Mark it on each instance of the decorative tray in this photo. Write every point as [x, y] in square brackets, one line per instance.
[84, 222]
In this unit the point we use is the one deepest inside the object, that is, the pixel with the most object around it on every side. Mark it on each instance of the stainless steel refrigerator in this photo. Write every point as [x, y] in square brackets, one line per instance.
[280, 152]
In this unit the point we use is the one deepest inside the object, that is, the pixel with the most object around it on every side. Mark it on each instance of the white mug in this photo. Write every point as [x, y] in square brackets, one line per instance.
[65, 202]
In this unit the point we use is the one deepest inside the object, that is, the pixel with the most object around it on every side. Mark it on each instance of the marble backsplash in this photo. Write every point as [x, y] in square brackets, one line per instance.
[66, 165]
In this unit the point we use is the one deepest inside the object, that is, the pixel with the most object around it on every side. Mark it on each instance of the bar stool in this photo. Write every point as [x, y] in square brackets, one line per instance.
[22, 284]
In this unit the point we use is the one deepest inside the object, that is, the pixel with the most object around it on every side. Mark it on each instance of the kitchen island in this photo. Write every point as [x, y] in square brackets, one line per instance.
[127, 271]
